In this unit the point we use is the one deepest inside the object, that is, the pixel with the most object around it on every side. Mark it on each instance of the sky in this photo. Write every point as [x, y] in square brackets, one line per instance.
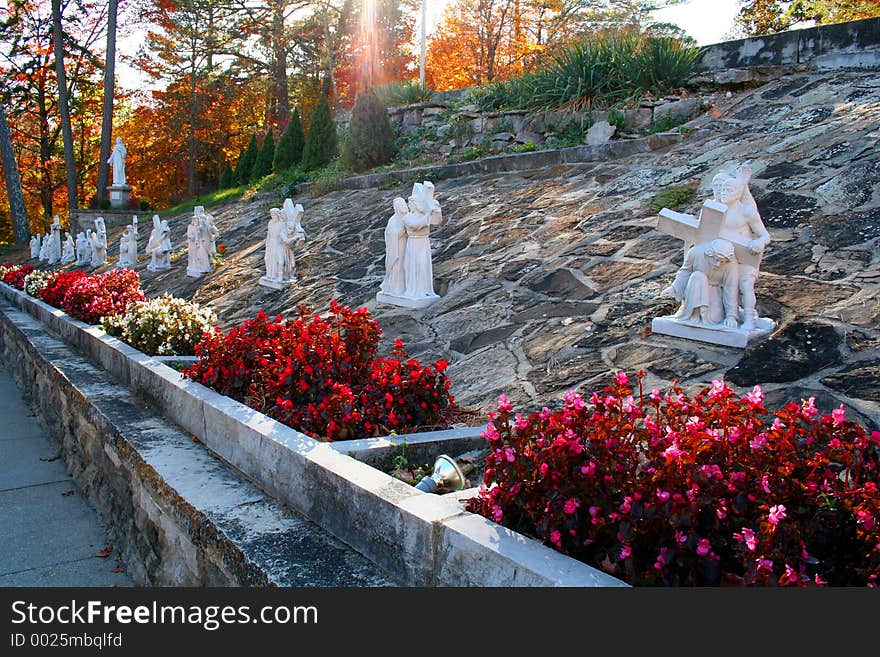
[707, 21]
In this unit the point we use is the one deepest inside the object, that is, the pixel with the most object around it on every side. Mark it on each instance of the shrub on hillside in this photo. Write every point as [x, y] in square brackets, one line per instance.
[263, 163]
[57, 287]
[321, 144]
[396, 94]
[227, 178]
[164, 326]
[244, 168]
[289, 150]
[370, 141]
[322, 376]
[105, 295]
[660, 489]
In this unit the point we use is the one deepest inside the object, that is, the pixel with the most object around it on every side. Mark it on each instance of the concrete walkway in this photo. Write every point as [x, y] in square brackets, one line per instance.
[49, 535]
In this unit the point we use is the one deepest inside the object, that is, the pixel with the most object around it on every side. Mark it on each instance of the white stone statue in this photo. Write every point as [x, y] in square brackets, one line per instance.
[68, 250]
[213, 232]
[198, 240]
[281, 235]
[418, 274]
[44, 247]
[117, 161]
[128, 248]
[53, 252]
[159, 245]
[99, 243]
[394, 282]
[35, 246]
[83, 248]
[716, 283]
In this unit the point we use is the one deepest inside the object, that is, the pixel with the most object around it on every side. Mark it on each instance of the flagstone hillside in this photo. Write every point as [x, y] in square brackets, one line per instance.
[550, 278]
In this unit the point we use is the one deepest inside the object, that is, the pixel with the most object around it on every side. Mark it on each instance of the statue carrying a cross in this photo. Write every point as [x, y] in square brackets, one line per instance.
[716, 283]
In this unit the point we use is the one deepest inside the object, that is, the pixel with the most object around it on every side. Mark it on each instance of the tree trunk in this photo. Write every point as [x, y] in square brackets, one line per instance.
[107, 120]
[279, 65]
[20, 226]
[64, 106]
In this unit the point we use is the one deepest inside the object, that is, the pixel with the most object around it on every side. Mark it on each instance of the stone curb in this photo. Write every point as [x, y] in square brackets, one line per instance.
[507, 163]
[419, 537]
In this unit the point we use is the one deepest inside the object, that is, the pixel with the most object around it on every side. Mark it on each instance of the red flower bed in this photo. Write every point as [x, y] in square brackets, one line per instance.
[57, 287]
[92, 297]
[322, 376]
[666, 490]
[15, 277]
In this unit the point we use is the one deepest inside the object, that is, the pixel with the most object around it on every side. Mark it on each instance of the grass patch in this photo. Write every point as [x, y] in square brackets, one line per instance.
[220, 196]
[673, 197]
[666, 123]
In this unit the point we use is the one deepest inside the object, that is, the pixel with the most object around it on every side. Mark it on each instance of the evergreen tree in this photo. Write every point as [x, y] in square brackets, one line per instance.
[370, 140]
[263, 163]
[321, 142]
[245, 167]
[289, 150]
[227, 178]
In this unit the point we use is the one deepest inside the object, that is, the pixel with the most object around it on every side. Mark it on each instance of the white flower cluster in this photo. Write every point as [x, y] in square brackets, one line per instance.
[164, 326]
[36, 281]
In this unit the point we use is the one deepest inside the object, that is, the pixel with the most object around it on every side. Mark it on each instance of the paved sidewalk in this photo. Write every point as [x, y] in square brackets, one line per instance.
[49, 535]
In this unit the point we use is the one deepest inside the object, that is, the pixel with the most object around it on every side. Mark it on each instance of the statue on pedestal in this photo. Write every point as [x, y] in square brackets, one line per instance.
[117, 161]
[159, 245]
[53, 252]
[35, 246]
[716, 283]
[83, 248]
[283, 231]
[68, 250]
[99, 243]
[422, 212]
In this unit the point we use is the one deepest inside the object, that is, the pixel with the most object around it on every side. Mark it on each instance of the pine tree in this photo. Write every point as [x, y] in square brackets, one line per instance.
[263, 163]
[321, 142]
[289, 150]
[245, 167]
[370, 140]
[227, 178]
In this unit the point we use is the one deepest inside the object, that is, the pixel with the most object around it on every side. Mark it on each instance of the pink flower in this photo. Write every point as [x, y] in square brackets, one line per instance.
[756, 396]
[718, 388]
[765, 564]
[556, 537]
[625, 552]
[655, 395]
[589, 469]
[574, 400]
[544, 469]
[808, 408]
[629, 405]
[503, 404]
[497, 513]
[680, 537]
[765, 485]
[593, 511]
[672, 452]
[520, 422]
[622, 379]
[758, 441]
[663, 495]
[839, 415]
[777, 513]
[509, 454]
[571, 505]
[751, 541]
[491, 433]
[703, 547]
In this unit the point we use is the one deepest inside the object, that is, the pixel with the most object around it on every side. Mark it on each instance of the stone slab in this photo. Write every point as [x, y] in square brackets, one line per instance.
[720, 336]
[406, 302]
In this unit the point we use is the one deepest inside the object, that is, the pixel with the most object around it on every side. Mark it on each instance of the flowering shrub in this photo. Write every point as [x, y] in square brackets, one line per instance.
[165, 326]
[36, 281]
[16, 274]
[93, 297]
[322, 376]
[57, 286]
[667, 490]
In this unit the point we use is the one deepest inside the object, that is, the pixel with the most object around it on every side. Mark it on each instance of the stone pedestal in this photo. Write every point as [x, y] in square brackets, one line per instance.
[728, 337]
[119, 196]
[276, 285]
[407, 302]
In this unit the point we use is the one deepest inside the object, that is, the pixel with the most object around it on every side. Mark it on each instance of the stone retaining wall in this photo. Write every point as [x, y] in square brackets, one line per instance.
[182, 518]
[855, 44]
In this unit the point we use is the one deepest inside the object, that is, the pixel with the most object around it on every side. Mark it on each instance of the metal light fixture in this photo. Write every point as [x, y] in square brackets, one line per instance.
[446, 475]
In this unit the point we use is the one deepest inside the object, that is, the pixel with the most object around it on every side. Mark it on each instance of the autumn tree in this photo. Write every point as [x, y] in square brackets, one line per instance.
[757, 17]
